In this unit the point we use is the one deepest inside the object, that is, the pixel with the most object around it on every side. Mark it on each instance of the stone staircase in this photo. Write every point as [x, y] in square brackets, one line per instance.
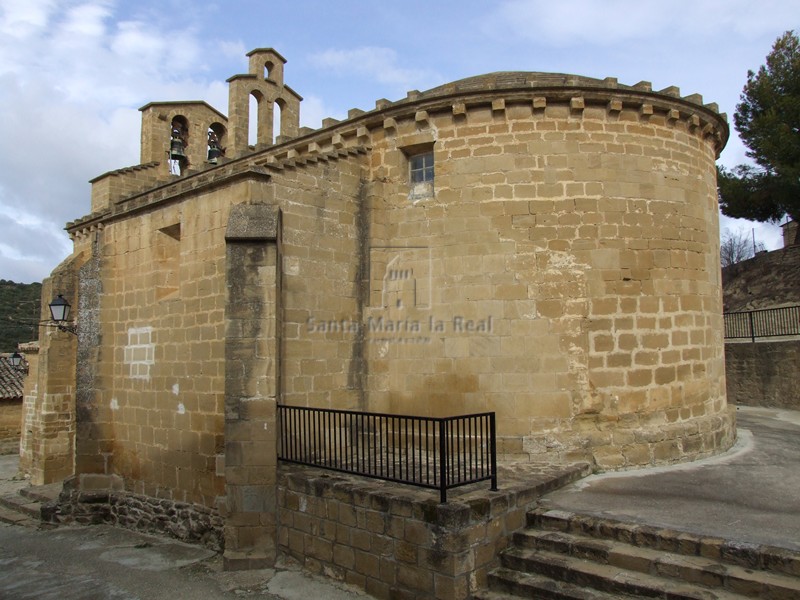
[563, 555]
[24, 507]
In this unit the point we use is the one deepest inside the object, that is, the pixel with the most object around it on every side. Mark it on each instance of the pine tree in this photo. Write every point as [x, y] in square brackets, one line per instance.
[768, 121]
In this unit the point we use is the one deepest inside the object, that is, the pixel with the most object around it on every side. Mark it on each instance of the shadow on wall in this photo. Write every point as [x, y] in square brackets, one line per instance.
[763, 374]
[446, 395]
[10, 429]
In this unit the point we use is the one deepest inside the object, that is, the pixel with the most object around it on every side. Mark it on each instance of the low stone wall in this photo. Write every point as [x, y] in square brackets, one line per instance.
[399, 542]
[632, 441]
[10, 426]
[95, 499]
[764, 373]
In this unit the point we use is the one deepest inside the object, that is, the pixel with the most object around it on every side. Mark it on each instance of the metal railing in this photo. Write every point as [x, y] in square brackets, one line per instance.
[436, 453]
[767, 322]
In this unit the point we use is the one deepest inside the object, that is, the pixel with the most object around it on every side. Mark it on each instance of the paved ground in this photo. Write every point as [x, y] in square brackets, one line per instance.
[749, 494]
[103, 562]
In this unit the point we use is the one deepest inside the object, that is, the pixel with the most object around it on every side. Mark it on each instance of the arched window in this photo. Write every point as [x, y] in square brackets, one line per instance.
[252, 118]
[277, 115]
[216, 142]
[178, 142]
[268, 66]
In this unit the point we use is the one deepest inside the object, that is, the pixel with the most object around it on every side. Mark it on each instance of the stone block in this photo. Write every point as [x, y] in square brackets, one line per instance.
[367, 564]
[97, 482]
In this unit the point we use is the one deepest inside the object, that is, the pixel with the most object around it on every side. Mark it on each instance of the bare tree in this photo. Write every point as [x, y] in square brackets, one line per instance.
[736, 246]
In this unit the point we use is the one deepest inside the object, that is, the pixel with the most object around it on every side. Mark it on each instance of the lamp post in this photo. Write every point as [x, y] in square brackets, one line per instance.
[59, 311]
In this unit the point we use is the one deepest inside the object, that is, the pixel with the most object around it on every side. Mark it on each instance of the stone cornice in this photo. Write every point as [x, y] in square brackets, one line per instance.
[126, 170]
[698, 116]
[28, 347]
[263, 50]
[204, 181]
[704, 119]
[338, 139]
[177, 103]
[251, 76]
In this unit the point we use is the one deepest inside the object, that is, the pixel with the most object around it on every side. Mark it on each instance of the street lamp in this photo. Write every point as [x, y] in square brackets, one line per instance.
[16, 362]
[59, 311]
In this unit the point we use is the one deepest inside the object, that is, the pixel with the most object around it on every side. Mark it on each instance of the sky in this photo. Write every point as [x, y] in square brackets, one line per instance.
[73, 74]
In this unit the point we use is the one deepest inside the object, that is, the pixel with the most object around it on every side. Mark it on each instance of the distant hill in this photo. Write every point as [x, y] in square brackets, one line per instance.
[769, 280]
[19, 313]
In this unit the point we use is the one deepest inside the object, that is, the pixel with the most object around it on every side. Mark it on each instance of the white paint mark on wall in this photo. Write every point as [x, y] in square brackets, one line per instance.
[140, 352]
[176, 388]
[291, 265]
[181, 409]
[114, 404]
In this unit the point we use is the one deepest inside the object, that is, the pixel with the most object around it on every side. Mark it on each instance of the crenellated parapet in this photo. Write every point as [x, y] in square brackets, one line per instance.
[539, 95]
[541, 91]
[507, 95]
[515, 92]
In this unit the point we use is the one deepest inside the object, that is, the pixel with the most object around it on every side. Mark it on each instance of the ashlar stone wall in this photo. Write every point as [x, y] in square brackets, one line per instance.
[563, 272]
[561, 269]
[179, 407]
[47, 439]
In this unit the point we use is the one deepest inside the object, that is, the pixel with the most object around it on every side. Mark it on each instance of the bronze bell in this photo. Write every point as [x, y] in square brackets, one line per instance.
[213, 154]
[176, 149]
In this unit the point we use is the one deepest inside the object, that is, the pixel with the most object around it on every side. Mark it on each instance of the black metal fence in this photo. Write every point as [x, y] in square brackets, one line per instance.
[436, 453]
[767, 322]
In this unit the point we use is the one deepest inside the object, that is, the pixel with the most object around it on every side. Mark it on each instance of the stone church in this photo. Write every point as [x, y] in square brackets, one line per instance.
[541, 246]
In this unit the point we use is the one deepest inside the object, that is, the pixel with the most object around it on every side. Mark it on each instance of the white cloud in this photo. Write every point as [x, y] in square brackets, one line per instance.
[231, 49]
[313, 110]
[73, 74]
[21, 18]
[85, 21]
[379, 64]
[73, 80]
[770, 234]
[612, 22]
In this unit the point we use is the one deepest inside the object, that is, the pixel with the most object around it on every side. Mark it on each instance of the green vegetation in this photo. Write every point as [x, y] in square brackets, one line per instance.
[768, 121]
[19, 313]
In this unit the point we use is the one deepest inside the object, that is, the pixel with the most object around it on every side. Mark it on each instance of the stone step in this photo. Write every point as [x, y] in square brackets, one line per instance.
[42, 493]
[605, 578]
[691, 569]
[750, 556]
[508, 584]
[13, 517]
[21, 504]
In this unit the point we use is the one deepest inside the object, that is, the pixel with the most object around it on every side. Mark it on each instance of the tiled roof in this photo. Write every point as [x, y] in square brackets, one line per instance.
[10, 379]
